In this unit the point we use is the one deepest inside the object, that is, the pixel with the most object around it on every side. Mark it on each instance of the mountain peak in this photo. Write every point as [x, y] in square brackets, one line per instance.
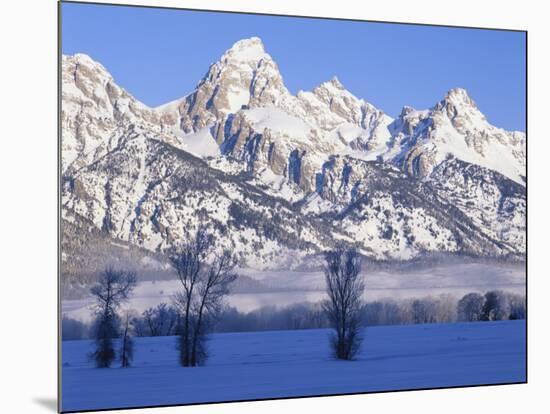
[459, 97]
[84, 59]
[80, 57]
[457, 104]
[334, 81]
[251, 49]
[458, 92]
[406, 110]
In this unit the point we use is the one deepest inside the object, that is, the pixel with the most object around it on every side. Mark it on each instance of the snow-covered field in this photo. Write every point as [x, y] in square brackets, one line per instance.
[272, 364]
[283, 288]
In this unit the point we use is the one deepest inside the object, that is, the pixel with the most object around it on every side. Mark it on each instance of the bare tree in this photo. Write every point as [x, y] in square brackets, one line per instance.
[127, 343]
[211, 291]
[343, 307]
[111, 290]
[158, 321]
[188, 262]
[204, 285]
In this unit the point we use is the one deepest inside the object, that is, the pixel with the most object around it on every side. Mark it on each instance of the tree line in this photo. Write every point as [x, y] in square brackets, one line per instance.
[198, 309]
[163, 319]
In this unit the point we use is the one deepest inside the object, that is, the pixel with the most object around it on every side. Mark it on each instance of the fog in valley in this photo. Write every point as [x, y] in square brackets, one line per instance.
[256, 289]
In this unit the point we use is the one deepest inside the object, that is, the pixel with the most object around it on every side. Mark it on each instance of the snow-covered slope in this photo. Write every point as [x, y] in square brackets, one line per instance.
[274, 364]
[152, 195]
[278, 176]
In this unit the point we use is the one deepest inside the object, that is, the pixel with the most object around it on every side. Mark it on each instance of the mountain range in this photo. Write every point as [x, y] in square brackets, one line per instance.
[279, 177]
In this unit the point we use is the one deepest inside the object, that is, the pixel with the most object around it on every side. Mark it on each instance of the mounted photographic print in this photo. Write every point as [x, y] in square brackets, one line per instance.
[263, 206]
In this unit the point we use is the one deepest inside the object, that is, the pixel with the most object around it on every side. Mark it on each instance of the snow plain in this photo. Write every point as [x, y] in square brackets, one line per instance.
[259, 365]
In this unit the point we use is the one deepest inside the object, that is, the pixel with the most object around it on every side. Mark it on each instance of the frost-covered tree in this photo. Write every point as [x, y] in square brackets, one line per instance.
[111, 290]
[385, 313]
[424, 311]
[470, 307]
[345, 288]
[445, 305]
[205, 277]
[496, 306]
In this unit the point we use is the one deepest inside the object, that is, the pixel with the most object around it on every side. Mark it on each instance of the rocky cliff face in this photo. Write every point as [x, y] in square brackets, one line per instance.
[280, 177]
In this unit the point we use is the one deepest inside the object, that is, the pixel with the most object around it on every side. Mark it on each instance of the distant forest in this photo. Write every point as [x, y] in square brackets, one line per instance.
[163, 320]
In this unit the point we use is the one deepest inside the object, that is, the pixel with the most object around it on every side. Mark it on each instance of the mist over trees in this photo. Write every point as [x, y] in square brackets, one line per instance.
[443, 308]
[345, 288]
[163, 320]
[307, 315]
[271, 318]
[204, 284]
[111, 290]
[72, 329]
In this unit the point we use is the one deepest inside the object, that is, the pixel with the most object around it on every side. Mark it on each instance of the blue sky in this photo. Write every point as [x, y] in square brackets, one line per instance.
[159, 55]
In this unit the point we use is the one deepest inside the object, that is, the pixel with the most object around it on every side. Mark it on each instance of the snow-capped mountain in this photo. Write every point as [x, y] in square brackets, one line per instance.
[243, 105]
[244, 76]
[278, 176]
[422, 140]
[93, 108]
